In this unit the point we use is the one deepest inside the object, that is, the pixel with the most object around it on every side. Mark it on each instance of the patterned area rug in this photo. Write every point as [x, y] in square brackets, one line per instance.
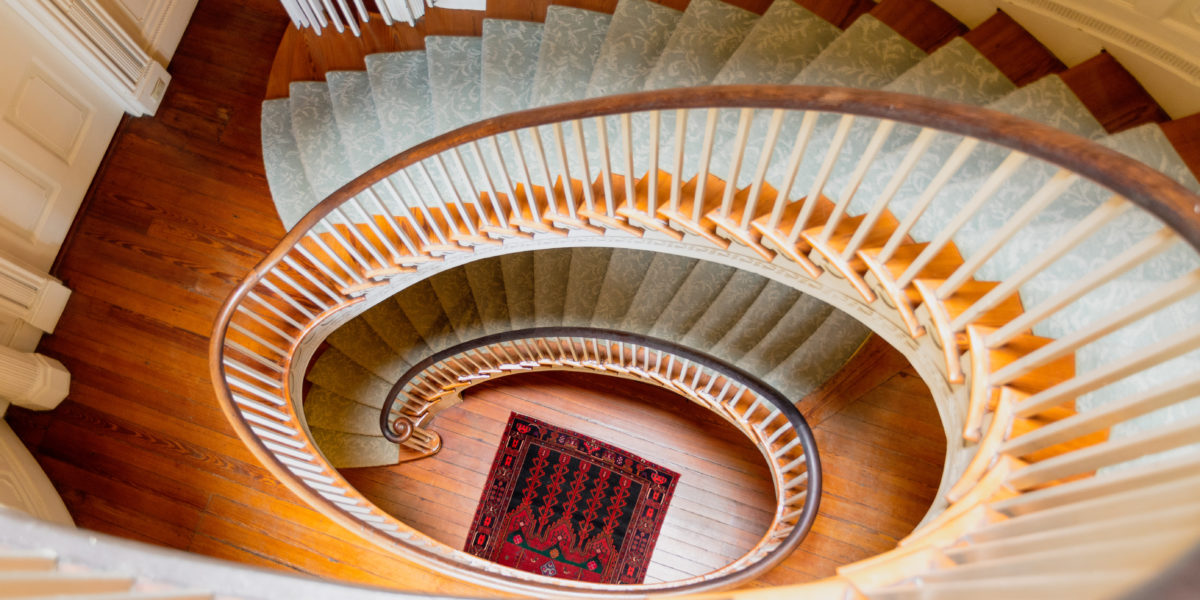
[564, 505]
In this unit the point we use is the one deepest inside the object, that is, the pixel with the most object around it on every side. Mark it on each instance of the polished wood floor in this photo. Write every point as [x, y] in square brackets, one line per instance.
[178, 213]
[881, 450]
[722, 505]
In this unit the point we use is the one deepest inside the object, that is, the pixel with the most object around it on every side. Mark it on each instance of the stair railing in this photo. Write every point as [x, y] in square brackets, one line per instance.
[1034, 460]
[759, 411]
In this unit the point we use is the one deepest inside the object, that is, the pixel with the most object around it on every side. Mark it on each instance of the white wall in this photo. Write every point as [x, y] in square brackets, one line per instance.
[1158, 41]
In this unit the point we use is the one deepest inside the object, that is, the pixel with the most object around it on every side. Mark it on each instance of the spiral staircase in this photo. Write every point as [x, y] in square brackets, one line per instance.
[979, 245]
[1043, 285]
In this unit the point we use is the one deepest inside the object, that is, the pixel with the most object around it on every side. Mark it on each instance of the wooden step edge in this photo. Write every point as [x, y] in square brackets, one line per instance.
[946, 339]
[389, 272]
[971, 511]
[841, 13]
[777, 240]
[900, 300]
[989, 445]
[1184, 135]
[1013, 50]
[637, 209]
[705, 228]
[492, 220]
[730, 228]
[891, 567]
[525, 220]
[1114, 97]
[692, 219]
[646, 222]
[562, 207]
[982, 396]
[925, 24]
[27, 560]
[834, 264]
[614, 222]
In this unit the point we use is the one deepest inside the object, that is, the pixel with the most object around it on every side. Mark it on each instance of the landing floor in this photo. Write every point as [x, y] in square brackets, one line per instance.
[882, 456]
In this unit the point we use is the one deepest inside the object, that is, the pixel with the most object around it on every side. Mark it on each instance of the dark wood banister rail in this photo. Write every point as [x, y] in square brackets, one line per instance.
[759, 387]
[1139, 183]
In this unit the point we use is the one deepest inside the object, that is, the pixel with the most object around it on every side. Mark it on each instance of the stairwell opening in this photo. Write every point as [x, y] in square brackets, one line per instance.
[886, 443]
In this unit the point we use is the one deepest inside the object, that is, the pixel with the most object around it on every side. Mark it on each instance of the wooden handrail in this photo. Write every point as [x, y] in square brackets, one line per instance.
[717, 367]
[1136, 182]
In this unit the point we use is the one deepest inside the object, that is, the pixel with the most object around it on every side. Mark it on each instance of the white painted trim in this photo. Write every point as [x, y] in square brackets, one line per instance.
[35, 298]
[100, 48]
[23, 484]
[1158, 41]
[31, 380]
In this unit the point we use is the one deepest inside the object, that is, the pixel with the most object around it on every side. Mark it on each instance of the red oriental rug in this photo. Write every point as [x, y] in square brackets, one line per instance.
[564, 505]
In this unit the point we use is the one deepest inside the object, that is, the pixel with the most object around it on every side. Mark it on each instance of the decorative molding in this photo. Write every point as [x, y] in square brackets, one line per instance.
[33, 112]
[23, 484]
[28, 187]
[34, 298]
[100, 47]
[31, 380]
[1129, 28]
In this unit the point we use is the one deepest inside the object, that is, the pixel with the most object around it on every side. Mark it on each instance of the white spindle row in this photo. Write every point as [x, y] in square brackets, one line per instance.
[901, 255]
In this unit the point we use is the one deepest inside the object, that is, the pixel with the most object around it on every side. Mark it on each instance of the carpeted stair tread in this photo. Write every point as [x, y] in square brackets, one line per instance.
[1141, 143]
[422, 308]
[666, 273]
[626, 271]
[486, 280]
[695, 295]
[357, 119]
[636, 37]
[779, 45]
[810, 365]
[327, 409]
[1047, 100]
[510, 58]
[358, 341]
[321, 149]
[570, 46]
[868, 55]
[735, 298]
[455, 69]
[290, 190]
[956, 72]
[340, 373]
[1148, 144]
[773, 301]
[454, 294]
[1050, 101]
[551, 269]
[401, 92]
[392, 326]
[706, 36]
[348, 450]
[517, 270]
[587, 272]
[788, 333]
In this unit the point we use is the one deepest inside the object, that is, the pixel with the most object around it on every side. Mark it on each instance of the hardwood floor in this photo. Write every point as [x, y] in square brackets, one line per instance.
[882, 449]
[722, 505]
[178, 213]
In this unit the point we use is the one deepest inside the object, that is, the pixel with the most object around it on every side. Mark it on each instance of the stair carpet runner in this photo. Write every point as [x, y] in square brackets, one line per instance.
[328, 132]
[791, 340]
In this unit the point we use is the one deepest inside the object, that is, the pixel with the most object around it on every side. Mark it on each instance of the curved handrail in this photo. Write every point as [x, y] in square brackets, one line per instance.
[709, 370]
[258, 362]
